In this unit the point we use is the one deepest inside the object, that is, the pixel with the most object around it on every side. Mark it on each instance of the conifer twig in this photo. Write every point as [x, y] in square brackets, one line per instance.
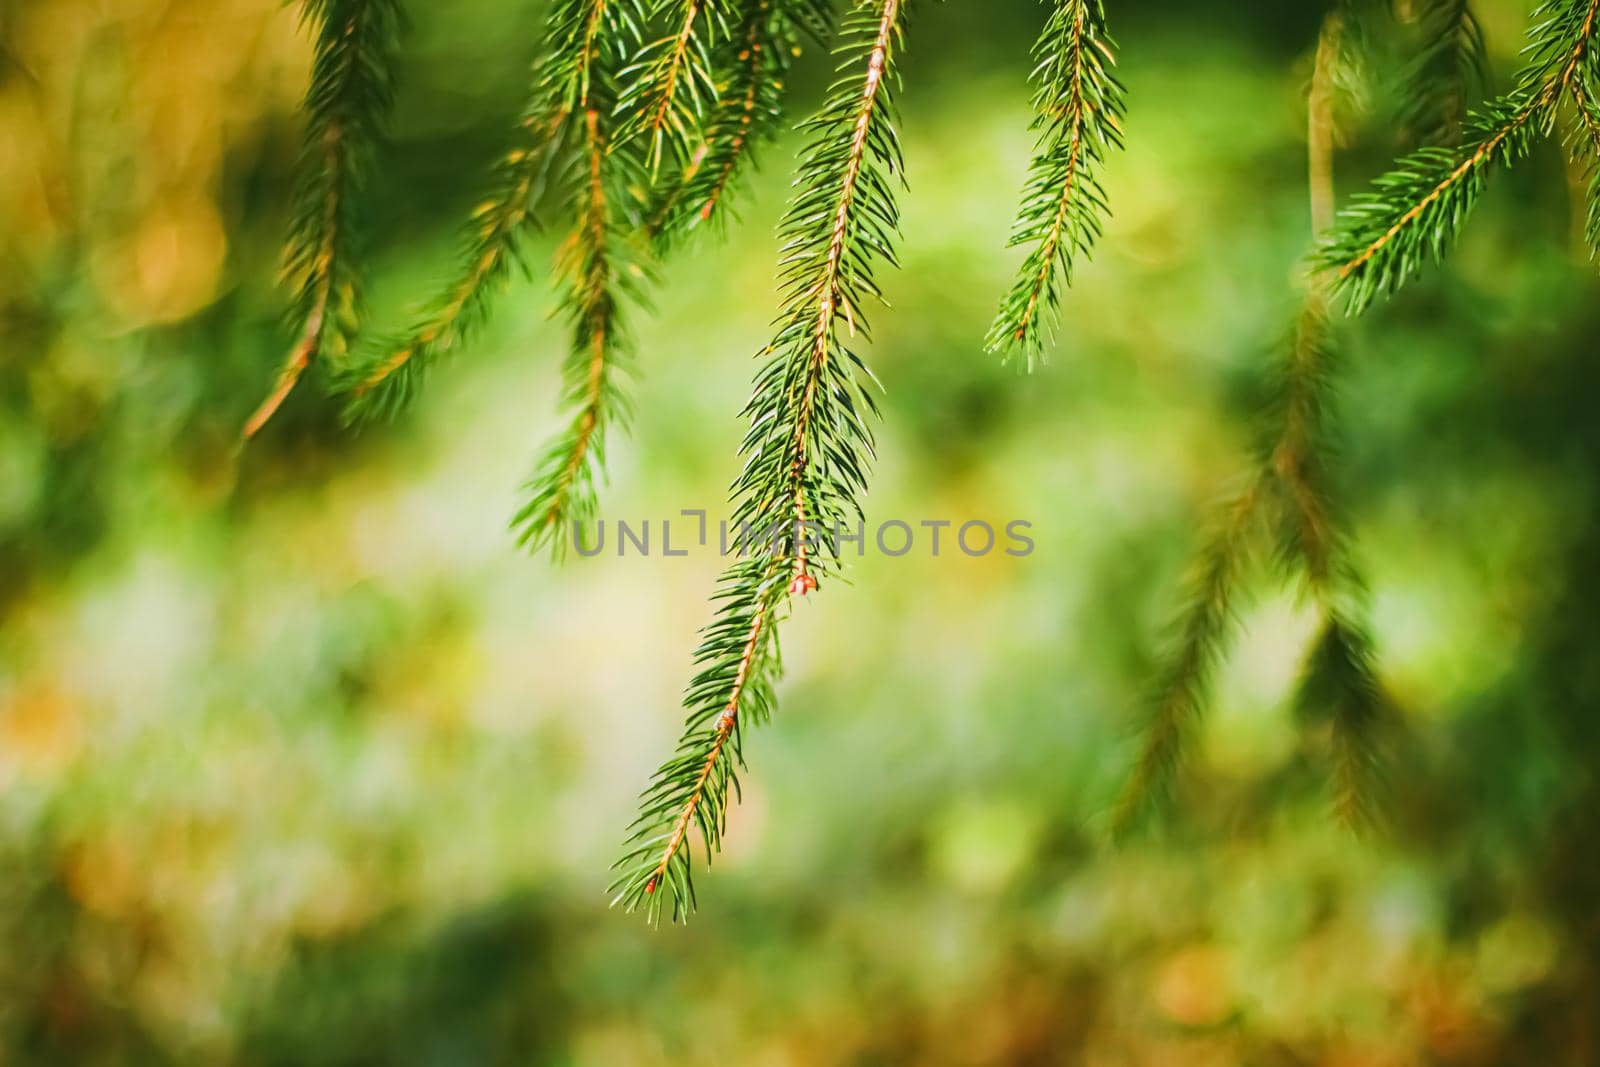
[1340, 689]
[598, 279]
[1448, 69]
[668, 86]
[755, 61]
[562, 491]
[1340, 683]
[1412, 213]
[492, 243]
[585, 42]
[350, 94]
[1295, 460]
[1079, 115]
[1584, 144]
[1290, 486]
[806, 453]
[1204, 631]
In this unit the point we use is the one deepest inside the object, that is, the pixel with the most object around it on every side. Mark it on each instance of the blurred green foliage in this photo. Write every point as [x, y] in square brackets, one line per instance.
[302, 763]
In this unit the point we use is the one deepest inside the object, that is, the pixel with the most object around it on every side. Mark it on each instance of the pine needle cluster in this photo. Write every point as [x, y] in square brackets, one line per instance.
[563, 133]
[599, 274]
[634, 141]
[670, 83]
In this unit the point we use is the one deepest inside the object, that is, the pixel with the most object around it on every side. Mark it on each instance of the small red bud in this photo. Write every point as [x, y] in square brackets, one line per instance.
[650, 886]
[802, 584]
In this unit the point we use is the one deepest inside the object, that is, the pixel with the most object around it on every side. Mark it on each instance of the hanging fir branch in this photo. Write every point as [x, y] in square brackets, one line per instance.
[1411, 214]
[598, 276]
[1204, 631]
[349, 97]
[582, 37]
[805, 455]
[1446, 72]
[1339, 687]
[1583, 142]
[492, 243]
[669, 85]
[755, 62]
[1079, 115]
[1290, 490]
[1340, 693]
[1295, 460]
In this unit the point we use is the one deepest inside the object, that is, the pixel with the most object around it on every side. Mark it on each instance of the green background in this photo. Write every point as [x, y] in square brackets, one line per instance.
[301, 762]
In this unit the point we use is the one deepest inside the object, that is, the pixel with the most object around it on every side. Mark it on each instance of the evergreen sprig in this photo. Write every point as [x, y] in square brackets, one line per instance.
[1340, 691]
[1290, 494]
[585, 40]
[1290, 498]
[387, 382]
[669, 85]
[348, 100]
[1445, 73]
[599, 276]
[1411, 215]
[1339, 686]
[753, 65]
[806, 454]
[1203, 633]
[599, 272]
[1583, 141]
[1079, 106]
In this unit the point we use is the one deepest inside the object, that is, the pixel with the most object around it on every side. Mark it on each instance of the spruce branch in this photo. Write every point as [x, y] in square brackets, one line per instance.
[754, 63]
[1340, 680]
[1079, 106]
[1410, 215]
[1291, 489]
[582, 38]
[1340, 691]
[1339, 685]
[1298, 458]
[389, 382]
[1204, 630]
[1583, 142]
[597, 278]
[349, 97]
[1448, 70]
[1294, 463]
[806, 453]
[669, 85]
[1414, 212]
[736, 666]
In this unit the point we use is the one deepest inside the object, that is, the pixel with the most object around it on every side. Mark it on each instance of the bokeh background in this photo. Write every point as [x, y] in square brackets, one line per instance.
[301, 762]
